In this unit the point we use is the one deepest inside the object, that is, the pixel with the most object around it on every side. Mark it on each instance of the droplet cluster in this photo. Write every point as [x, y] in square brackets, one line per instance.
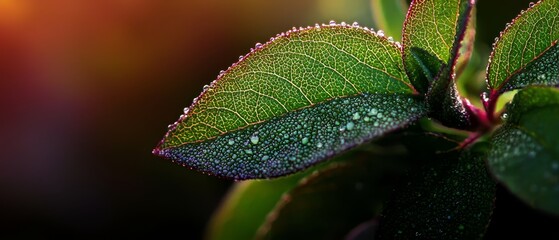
[299, 139]
[543, 70]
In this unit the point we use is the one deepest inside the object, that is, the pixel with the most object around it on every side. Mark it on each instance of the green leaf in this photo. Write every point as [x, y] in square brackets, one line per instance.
[451, 197]
[443, 98]
[525, 152]
[245, 207]
[526, 53]
[304, 96]
[431, 37]
[389, 16]
[331, 202]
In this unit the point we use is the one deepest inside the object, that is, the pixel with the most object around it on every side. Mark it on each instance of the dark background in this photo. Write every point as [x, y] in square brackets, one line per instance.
[87, 89]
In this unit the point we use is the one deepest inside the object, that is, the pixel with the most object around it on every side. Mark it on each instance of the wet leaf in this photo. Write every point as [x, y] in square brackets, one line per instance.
[451, 197]
[389, 16]
[525, 152]
[443, 98]
[526, 53]
[431, 37]
[299, 99]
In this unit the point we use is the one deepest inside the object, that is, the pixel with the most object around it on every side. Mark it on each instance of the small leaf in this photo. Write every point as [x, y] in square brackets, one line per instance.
[443, 98]
[526, 53]
[331, 202]
[389, 16]
[525, 152]
[431, 37]
[304, 96]
[451, 197]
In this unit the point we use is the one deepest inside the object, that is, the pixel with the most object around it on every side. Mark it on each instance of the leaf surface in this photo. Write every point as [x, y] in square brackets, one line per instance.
[451, 197]
[302, 97]
[526, 53]
[525, 152]
[431, 37]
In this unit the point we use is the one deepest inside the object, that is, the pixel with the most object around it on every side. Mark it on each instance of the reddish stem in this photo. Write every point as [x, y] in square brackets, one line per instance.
[491, 105]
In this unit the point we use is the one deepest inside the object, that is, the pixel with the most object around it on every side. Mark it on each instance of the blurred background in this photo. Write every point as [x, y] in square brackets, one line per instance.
[87, 89]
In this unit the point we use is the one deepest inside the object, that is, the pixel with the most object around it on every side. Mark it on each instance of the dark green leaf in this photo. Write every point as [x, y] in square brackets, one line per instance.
[526, 52]
[525, 152]
[328, 204]
[295, 101]
[389, 16]
[451, 197]
[431, 37]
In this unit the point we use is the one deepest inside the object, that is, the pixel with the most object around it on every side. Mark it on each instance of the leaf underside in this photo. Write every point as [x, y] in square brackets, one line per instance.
[299, 139]
[525, 152]
[526, 52]
[302, 97]
[451, 197]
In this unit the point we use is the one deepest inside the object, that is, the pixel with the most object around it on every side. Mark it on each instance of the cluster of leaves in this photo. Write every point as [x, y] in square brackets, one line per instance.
[313, 93]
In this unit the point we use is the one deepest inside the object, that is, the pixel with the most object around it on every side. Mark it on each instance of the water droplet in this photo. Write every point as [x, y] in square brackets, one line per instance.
[241, 57]
[254, 139]
[258, 45]
[372, 112]
[316, 25]
[343, 24]
[248, 151]
[205, 87]
[380, 33]
[390, 39]
[504, 116]
[531, 4]
[356, 116]
[379, 115]
[185, 110]
[231, 142]
[319, 145]
[264, 158]
[350, 125]
[355, 24]
[332, 22]
[305, 140]
[367, 119]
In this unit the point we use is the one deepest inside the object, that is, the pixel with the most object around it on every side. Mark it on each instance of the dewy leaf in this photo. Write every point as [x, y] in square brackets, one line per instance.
[305, 96]
[443, 98]
[451, 197]
[525, 152]
[526, 52]
[389, 16]
[331, 202]
[431, 37]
